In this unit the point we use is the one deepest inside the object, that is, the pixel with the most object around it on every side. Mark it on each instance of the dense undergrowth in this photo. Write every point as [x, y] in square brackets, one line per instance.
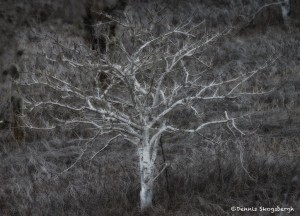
[205, 178]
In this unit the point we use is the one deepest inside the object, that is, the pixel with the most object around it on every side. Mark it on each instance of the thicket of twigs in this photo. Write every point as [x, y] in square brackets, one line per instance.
[205, 178]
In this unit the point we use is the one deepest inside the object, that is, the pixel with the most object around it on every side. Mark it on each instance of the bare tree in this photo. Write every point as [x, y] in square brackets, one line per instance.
[150, 75]
[11, 115]
[285, 9]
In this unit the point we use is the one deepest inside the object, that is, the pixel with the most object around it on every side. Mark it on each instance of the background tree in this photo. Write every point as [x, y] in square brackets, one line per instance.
[285, 8]
[12, 110]
[155, 71]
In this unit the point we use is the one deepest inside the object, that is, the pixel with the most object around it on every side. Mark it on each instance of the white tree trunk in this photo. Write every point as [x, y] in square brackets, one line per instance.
[285, 9]
[147, 177]
[146, 195]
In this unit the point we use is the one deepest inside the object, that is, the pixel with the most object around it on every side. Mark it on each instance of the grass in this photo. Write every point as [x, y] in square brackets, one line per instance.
[204, 178]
